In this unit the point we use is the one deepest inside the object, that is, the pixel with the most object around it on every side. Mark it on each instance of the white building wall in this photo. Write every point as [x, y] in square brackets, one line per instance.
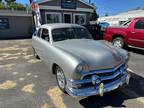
[115, 20]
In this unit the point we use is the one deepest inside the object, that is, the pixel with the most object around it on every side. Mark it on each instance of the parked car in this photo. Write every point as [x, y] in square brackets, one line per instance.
[129, 34]
[82, 66]
[95, 31]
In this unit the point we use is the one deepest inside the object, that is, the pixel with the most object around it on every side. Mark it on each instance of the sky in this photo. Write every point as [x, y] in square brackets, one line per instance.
[111, 7]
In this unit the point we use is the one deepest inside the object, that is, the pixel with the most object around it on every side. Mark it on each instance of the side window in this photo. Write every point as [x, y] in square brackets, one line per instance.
[39, 32]
[45, 34]
[139, 24]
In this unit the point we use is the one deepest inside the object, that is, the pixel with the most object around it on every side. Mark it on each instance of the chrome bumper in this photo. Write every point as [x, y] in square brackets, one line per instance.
[95, 90]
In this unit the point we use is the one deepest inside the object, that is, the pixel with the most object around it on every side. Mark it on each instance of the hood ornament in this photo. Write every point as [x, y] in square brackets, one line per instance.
[95, 80]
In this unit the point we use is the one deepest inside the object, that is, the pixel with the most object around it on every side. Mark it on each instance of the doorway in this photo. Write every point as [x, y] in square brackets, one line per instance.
[67, 18]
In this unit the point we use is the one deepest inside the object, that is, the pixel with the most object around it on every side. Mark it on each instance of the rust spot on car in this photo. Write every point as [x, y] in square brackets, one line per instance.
[32, 61]
[15, 73]
[29, 74]
[8, 58]
[7, 85]
[27, 57]
[21, 79]
[9, 54]
[44, 106]
[7, 66]
[55, 95]
[28, 88]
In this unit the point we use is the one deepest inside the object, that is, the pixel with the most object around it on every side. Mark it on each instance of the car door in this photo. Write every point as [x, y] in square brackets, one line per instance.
[46, 46]
[137, 34]
[36, 42]
[42, 45]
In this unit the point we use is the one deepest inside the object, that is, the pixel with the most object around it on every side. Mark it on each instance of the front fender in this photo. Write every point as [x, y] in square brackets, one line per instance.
[67, 61]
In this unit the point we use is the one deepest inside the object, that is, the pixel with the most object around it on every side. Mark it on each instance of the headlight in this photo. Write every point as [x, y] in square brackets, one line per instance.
[81, 68]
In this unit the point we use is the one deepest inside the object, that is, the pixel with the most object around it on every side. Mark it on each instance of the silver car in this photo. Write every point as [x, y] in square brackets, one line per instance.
[83, 66]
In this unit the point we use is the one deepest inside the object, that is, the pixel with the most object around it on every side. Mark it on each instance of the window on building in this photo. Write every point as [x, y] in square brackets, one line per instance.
[4, 23]
[80, 19]
[53, 17]
[139, 24]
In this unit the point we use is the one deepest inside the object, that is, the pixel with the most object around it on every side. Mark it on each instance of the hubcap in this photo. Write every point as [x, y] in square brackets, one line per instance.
[118, 43]
[60, 78]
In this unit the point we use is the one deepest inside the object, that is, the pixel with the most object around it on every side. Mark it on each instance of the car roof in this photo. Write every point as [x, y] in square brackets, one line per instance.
[59, 25]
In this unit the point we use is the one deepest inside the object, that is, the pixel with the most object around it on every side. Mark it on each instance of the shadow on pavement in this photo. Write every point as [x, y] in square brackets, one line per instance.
[116, 98]
[15, 38]
[137, 84]
[137, 51]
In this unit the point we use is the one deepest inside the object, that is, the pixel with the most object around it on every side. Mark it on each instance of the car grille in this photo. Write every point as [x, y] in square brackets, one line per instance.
[106, 76]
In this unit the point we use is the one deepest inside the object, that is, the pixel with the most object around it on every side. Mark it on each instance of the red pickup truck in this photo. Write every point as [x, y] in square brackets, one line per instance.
[129, 34]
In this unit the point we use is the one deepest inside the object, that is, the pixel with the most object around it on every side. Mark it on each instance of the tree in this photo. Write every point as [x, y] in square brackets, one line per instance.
[18, 6]
[2, 5]
[10, 3]
[94, 16]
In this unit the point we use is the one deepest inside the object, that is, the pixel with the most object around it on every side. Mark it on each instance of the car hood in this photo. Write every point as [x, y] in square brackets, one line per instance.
[96, 54]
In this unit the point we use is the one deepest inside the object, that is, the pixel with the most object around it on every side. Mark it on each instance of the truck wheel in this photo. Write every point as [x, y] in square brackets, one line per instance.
[60, 77]
[118, 42]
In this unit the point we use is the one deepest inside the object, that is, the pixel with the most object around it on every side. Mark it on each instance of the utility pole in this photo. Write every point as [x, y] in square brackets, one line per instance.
[36, 17]
[33, 23]
[89, 1]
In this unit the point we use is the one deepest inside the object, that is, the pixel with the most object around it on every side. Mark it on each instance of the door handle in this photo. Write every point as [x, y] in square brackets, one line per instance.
[132, 32]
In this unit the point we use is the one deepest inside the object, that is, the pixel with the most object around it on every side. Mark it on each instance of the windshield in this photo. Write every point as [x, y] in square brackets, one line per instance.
[70, 33]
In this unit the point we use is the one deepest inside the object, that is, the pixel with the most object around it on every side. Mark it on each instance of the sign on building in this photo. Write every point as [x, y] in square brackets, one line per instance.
[69, 4]
[4, 23]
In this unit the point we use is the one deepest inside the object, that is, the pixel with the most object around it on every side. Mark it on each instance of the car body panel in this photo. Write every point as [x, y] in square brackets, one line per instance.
[93, 53]
[98, 56]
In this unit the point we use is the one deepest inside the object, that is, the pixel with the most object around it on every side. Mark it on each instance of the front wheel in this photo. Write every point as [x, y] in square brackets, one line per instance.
[118, 42]
[60, 77]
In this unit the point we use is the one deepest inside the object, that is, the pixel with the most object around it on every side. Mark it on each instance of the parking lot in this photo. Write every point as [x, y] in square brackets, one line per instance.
[26, 83]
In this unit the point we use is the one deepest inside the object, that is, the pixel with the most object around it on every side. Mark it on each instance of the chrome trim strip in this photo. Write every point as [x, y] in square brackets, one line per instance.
[102, 71]
[82, 81]
[110, 77]
[138, 40]
[136, 47]
[94, 91]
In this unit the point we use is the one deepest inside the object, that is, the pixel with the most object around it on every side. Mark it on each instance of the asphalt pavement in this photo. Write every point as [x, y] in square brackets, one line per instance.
[26, 83]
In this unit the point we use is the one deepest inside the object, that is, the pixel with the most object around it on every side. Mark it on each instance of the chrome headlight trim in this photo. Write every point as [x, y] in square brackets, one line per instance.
[82, 68]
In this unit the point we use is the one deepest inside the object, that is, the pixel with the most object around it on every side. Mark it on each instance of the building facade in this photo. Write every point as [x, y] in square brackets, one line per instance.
[65, 11]
[15, 24]
[18, 24]
[122, 17]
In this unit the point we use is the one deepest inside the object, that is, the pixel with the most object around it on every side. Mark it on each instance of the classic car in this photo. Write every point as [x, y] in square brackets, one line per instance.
[82, 66]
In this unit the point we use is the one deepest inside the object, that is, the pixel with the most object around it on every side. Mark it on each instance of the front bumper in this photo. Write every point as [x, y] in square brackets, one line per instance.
[95, 90]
